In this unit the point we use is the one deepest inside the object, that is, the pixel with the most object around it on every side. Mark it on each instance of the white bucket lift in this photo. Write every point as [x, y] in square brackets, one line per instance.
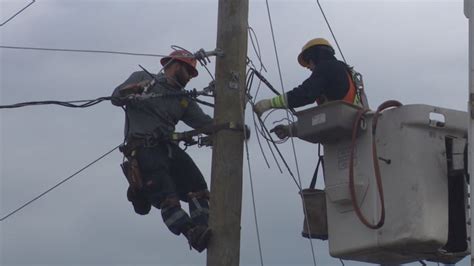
[421, 152]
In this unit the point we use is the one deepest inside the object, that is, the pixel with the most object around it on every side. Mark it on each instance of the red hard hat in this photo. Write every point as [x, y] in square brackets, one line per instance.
[183, 56]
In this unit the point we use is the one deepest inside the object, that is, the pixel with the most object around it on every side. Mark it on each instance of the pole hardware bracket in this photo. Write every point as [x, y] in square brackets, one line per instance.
[203, 56]
[234, 81]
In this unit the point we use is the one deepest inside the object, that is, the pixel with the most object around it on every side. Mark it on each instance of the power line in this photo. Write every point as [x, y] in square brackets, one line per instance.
[251, 185]
[192, 94]
[86, 103]
[78, 50]
[58, 184]
[256, 47]
[288, 116]
[330, 29]
[17, 13]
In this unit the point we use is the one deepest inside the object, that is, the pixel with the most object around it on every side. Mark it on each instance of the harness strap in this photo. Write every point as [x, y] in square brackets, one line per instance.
[203, 194]
[209, 129]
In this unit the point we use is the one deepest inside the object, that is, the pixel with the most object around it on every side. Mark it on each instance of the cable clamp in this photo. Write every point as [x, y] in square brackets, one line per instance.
[203, 56]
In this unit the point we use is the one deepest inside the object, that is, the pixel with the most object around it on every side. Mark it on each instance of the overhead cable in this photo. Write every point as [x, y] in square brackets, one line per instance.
[256, 47]
[78, 50]
[17, 13]
[71, 104]
[58, 184]
[330, 29]
[288, 116]
[251, 184]
[192, 94]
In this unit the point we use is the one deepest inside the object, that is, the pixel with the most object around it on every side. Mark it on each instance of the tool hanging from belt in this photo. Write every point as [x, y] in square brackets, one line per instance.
[130, 166]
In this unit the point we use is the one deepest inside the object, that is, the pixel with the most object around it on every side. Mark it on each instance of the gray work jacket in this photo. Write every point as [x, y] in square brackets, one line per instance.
[158, 114]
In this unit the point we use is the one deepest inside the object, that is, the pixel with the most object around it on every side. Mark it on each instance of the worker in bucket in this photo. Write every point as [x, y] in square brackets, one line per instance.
[330, 80]
[159, 172]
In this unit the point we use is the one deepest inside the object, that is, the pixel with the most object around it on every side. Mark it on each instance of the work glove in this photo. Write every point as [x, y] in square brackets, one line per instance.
[262, 106]
[281, 131]
[135, 88]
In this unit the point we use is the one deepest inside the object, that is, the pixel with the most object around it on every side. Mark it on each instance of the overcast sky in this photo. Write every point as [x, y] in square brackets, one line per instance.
[412, 51]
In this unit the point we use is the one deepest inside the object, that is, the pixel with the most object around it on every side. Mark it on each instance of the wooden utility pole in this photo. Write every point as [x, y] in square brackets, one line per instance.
[227, 155]
[469, 12]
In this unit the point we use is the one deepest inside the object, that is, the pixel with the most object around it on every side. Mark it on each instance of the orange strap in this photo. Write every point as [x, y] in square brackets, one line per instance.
[350, 95]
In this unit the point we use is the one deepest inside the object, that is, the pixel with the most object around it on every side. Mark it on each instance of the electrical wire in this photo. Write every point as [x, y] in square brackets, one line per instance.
[251, 184]
[279, 152]
[58, 184]
[17, 13]
[248, 86]
[258, 53]
[79, 51]
[292, 141]
[71, 104]
[332, 33]
[88, 103]
[256, 47]
[249, 82]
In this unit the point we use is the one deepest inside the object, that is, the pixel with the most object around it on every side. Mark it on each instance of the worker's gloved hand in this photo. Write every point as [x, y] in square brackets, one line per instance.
[135, 88]
[262, 106]
[281, 131]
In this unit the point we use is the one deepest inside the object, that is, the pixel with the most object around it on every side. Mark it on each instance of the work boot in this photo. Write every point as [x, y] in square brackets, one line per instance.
[199, 207]
[140, 203]
[198, 237]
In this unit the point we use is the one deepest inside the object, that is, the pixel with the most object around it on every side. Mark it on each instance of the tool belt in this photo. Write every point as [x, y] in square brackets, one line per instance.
[130, 166]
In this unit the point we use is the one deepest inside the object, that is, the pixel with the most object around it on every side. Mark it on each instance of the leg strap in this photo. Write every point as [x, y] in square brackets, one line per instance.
[203, 194]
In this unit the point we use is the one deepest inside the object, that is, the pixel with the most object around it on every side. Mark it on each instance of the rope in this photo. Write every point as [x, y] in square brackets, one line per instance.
[292, 141]
[58, 184]
[330, 29]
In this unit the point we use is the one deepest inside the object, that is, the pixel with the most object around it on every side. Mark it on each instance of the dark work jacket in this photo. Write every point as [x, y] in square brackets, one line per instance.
[159, 114]
[329, 79]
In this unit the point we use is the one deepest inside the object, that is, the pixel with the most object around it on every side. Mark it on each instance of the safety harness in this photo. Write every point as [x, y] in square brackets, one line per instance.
[355, 94]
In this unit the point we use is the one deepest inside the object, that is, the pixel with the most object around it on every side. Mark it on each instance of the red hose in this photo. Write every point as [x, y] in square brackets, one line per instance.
[378, 176]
